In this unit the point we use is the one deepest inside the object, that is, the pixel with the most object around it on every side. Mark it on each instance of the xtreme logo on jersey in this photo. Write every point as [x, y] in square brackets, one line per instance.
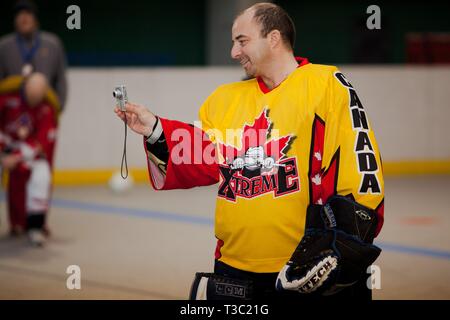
[260, 165]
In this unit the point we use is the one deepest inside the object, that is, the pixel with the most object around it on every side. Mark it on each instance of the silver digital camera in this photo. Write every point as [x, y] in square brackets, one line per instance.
[120, 93]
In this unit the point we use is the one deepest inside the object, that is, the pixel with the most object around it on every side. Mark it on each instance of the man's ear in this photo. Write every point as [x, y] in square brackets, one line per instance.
[274, 37]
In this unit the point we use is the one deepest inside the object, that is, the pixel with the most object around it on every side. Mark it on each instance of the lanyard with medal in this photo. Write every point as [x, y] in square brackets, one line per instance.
[28, 54]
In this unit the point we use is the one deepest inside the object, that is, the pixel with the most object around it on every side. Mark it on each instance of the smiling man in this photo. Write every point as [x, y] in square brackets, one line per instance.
[300, 194]
[253, 33]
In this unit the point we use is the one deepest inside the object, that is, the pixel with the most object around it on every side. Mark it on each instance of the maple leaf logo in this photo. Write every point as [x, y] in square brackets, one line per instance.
[255, 143]
[258, 165]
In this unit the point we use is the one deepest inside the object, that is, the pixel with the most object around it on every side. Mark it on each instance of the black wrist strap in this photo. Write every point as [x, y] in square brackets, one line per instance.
[153, 129]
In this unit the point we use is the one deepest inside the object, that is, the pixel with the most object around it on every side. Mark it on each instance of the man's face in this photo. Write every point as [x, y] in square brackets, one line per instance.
[249, 47]
[25, 22]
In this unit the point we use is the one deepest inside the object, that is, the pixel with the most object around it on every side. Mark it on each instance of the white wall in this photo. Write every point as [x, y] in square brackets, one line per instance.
[408, 107]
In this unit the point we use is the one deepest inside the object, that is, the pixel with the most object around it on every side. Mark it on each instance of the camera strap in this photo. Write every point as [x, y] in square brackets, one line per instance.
[124, 155]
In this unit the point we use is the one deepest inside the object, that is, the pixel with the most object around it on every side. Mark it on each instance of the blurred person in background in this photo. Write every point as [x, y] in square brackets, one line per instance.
[28, 121]
[301, 196]
[30, 49]
[25, 51]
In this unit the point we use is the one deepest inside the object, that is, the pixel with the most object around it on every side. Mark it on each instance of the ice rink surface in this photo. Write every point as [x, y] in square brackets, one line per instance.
[148, 245]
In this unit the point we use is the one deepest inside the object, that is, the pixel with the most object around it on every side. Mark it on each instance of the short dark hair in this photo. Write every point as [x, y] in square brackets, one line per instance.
[272, 17]
[25, 5]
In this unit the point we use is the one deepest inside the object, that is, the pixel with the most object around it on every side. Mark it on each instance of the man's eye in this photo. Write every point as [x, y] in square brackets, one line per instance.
[243, 42]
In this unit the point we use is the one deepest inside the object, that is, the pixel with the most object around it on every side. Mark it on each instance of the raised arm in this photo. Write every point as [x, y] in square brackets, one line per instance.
[179, 155]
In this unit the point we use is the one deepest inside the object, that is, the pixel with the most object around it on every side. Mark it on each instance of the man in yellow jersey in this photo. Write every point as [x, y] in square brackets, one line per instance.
[300, 195]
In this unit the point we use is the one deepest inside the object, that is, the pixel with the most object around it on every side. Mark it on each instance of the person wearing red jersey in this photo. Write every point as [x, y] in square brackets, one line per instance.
[300, 195]
[28, 120]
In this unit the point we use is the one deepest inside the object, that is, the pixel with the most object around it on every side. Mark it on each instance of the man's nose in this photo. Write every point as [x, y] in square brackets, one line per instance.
[235, 52]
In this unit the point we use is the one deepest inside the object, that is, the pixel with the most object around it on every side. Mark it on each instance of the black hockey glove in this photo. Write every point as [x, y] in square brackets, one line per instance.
[335, 251]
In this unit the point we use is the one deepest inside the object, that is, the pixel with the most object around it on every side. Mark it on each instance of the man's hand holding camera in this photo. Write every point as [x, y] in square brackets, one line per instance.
[138, 118]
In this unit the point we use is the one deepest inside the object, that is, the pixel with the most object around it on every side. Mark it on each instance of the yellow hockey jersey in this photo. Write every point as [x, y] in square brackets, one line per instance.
[276, 151]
